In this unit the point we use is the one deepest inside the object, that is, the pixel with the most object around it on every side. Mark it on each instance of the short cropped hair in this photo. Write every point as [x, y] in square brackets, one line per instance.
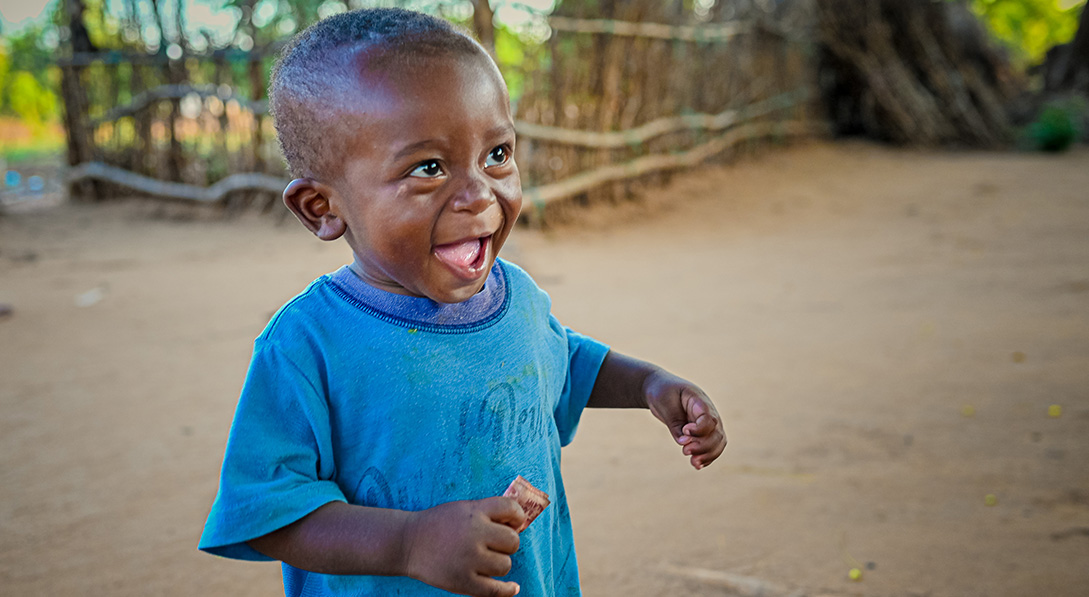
[312, 78]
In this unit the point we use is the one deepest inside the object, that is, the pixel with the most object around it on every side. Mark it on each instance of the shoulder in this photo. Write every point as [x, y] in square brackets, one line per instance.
[527, 297]
[513, 270]
[315, 312]
[521, 283]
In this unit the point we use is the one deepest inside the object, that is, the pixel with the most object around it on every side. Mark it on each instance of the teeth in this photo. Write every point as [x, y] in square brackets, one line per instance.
[463, 254]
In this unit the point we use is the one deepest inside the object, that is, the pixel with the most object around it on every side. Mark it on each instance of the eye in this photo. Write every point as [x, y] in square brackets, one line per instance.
[497, 157]
[428, 169]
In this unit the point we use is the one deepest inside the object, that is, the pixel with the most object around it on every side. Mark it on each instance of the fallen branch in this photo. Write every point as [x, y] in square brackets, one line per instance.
[704, 33]
[177, 190]
[582, 182]
[655, 128]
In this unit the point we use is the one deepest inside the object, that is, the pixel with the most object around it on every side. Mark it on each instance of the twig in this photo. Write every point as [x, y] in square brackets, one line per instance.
[176, 190]
[737, 584]
[584, 181]
[661, 126]
[703, 33]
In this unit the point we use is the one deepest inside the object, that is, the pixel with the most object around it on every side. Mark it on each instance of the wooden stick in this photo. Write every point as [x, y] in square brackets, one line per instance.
[584, 181]
[661, 126]
[706, 33]
[176, 190]
[175, 92]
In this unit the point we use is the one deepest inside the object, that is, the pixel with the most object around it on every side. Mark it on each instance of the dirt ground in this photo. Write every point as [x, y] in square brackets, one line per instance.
[884, 332]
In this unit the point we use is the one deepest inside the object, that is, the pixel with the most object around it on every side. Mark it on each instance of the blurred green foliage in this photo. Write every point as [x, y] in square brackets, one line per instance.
[1029, 28]
[29, 98]
[1057, 126]
[28, 78]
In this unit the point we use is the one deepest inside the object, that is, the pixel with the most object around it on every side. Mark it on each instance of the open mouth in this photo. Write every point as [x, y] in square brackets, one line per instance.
[466, 258]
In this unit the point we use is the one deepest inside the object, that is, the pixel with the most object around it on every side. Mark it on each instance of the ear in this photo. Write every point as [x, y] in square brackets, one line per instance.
[308, 199]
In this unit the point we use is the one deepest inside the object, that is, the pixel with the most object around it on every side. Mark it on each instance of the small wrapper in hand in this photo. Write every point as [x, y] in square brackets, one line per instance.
[532, 500]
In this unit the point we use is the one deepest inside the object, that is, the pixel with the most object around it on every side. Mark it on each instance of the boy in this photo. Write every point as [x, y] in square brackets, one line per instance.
[389, 403]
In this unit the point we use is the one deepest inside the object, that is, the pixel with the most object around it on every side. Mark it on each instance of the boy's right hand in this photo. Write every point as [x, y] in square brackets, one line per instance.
[461, 546]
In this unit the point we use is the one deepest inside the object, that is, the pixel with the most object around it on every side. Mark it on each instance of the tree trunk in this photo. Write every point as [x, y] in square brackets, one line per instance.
[1071, 72]
[80, 143]
[483, 25]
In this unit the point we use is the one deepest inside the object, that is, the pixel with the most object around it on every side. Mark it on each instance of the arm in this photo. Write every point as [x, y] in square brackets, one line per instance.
[624, 382]
[458, 546]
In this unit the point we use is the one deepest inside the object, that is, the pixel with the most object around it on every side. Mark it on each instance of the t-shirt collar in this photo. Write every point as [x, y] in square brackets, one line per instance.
[423, 313]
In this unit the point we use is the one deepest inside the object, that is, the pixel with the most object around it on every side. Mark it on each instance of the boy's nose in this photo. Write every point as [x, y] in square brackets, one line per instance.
[475, 196]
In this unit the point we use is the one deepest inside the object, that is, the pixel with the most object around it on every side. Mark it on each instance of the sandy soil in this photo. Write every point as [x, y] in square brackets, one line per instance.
[884, 332]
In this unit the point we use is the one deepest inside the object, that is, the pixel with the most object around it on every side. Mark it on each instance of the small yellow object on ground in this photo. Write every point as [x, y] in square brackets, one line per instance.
[855, 574]
[1054, 411]
[990, 499]
[968, 410]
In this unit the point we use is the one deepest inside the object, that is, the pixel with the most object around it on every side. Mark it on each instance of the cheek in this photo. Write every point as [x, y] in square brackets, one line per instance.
[399, 233]
[511, 196]
[515, 209]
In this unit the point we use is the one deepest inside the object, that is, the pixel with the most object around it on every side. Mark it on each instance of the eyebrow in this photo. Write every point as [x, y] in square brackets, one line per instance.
[411, 148]
[504, 130]
[499, 131]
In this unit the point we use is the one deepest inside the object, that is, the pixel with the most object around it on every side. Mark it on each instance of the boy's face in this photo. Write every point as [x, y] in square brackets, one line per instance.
[428, 190]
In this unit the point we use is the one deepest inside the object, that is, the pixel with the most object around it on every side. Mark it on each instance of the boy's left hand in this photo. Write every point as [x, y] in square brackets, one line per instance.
[689, 414]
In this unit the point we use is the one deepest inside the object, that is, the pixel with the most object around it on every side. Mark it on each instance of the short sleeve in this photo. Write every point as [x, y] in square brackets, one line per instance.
[584, 357]
[278, 465]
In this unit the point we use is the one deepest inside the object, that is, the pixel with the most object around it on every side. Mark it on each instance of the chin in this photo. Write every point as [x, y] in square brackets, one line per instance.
[458, 289]
[453, 291]
[460, 295]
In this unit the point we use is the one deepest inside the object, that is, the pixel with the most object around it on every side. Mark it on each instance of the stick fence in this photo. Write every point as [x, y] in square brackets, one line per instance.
[609, 102]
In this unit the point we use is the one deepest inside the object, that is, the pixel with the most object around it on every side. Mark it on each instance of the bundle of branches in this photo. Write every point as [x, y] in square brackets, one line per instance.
[915, 72]
[1066, 68]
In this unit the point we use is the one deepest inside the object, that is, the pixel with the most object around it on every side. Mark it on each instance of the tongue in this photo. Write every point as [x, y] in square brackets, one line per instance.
[463, 254]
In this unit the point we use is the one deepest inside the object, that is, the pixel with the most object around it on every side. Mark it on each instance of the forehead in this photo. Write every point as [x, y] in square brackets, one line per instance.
[388, 103]
[382, 84]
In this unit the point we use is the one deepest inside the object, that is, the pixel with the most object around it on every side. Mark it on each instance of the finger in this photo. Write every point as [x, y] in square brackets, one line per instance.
[705, 443]
[494, 564]
[503, 539]
[704, 425]
[704, 439]
[504, 510]
[701, 460]
[486, 586]
[695, 446]
[707, 448]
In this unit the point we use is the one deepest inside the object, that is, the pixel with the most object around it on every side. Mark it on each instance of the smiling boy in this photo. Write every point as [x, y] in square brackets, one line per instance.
[388, 403]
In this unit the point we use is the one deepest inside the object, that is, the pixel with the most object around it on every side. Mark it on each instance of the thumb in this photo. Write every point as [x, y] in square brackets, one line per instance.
[677, 415]
[695, 409]
[693, 404]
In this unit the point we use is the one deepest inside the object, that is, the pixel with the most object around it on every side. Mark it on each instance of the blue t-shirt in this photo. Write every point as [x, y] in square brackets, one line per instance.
[359, 395]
